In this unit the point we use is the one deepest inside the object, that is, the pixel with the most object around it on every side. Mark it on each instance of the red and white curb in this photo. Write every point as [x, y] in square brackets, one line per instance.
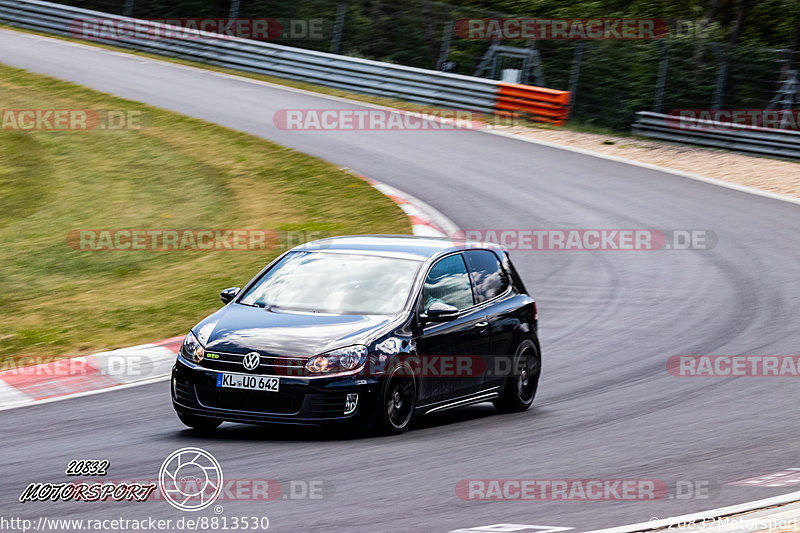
[90, 374]
[138, 365]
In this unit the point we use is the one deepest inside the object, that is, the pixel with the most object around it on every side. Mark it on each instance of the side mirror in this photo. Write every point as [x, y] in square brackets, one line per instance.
[229, 294]
[440, 312]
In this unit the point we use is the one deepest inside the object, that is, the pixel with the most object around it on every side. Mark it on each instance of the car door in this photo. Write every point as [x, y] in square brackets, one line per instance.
[490, 283]
[451, 348]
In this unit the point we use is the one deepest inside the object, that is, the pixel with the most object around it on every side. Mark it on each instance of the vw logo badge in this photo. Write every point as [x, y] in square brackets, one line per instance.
[251, 361]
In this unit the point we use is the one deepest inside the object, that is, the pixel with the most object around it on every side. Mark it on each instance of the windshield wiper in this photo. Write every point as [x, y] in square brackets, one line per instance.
[254, 304]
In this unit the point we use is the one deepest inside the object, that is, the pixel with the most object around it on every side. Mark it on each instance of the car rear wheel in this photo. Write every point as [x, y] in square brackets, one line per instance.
[397, 401]
[200, 423]
[521, 385]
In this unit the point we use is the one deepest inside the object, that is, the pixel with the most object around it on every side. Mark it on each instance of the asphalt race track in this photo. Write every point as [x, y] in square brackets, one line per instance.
[607, 408]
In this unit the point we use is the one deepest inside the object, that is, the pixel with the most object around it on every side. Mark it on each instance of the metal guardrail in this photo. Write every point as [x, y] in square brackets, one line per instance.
[420, 86]
[764, 141]
[548, 105]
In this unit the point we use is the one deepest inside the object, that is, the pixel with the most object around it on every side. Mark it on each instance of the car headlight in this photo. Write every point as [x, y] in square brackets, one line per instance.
[341, 360]
[192, 349]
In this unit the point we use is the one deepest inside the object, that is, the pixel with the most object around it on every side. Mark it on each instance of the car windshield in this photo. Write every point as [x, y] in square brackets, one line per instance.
[348, 284]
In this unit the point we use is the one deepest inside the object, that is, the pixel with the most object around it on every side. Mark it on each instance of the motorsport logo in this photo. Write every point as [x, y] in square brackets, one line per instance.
[190, 479]
[85, 491]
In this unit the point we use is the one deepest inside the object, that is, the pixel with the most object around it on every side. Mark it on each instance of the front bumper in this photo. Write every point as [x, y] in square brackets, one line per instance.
[300, 401]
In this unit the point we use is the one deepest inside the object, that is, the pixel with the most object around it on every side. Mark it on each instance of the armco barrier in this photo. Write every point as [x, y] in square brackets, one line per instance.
[420, 86]
[764, 141]
[544, 105]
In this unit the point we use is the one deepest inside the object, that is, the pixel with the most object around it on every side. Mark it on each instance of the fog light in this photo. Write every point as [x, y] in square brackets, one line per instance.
[351, 403]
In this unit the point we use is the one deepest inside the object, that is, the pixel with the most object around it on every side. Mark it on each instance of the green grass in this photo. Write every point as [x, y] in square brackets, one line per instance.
[174, 173]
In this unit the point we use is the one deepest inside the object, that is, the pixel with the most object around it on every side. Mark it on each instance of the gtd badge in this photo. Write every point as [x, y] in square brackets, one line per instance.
[251, 361]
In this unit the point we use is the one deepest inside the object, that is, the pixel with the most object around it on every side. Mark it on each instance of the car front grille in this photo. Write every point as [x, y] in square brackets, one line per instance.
[270, 364]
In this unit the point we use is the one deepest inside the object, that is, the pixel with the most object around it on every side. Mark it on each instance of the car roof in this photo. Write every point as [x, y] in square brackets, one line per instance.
[406, 246]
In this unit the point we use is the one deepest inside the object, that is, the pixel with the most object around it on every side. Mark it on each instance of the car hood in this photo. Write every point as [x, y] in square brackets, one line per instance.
[240, 328]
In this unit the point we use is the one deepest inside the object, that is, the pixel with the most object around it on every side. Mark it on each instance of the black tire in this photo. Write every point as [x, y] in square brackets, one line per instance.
[397, 401]
[521, 385]
[200, 423]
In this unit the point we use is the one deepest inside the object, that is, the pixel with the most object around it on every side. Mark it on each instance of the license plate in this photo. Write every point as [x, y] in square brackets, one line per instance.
[244, 381]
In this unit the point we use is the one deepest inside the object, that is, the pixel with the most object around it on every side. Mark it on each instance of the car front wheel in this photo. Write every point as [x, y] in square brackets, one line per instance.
[397, 401]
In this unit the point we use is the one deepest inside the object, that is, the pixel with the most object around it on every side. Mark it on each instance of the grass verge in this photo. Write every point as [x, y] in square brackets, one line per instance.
[174, 173]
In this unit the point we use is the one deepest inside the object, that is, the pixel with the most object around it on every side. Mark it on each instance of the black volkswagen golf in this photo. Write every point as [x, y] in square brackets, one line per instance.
[363, 330]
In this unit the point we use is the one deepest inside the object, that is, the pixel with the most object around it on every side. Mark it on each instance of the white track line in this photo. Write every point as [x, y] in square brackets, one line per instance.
[697, 517]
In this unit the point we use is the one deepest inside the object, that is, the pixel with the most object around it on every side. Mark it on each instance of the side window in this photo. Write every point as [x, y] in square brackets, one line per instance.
[448, 282]
[488, 277]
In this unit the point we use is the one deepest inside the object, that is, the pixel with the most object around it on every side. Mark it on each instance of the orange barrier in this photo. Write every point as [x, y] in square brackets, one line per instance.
[536, 103]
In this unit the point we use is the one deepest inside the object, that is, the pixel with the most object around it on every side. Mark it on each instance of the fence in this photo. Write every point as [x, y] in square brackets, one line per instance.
[420, 86]
[693, 66]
